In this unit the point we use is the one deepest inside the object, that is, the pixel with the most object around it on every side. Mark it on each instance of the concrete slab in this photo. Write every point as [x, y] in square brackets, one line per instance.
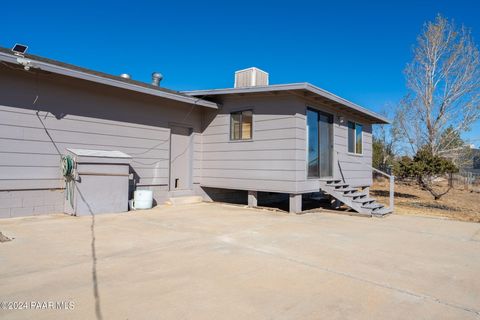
[211, 260]
[177, 201]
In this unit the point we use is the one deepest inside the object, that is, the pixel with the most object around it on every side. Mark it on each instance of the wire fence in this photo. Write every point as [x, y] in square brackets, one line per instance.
[466, 180]
[469, 180]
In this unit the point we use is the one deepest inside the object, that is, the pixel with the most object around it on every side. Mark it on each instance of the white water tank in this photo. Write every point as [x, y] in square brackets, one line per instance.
[142, 199]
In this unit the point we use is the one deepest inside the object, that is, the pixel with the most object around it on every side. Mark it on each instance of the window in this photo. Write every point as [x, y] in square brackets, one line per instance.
[355, 137]
[241, 125]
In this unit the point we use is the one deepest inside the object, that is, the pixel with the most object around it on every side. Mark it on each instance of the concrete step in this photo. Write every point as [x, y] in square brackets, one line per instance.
[175, 201]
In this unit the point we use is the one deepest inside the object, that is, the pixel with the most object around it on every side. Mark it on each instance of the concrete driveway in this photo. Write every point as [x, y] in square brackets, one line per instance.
[215, 261]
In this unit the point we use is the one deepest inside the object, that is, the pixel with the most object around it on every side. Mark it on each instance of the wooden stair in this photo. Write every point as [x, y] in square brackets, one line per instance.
[354, 198]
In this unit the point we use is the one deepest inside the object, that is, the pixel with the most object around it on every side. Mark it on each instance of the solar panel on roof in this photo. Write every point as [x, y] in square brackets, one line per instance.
[19, 48]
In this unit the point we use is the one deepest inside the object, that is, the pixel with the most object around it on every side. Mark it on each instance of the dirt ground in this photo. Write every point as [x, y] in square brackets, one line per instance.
[459, 204]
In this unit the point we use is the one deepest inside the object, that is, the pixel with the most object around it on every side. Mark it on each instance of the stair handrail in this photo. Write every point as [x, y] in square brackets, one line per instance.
[391, 178]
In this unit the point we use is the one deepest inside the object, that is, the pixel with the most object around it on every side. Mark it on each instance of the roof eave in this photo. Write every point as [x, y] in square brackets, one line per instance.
[381, 119]
[10, 58]
[377, 118]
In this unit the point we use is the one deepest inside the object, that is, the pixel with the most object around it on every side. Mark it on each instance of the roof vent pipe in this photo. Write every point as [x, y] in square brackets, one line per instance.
[156, 78]
[125, 76]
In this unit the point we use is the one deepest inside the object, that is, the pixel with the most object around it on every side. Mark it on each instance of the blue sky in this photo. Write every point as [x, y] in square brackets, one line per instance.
[354, 49]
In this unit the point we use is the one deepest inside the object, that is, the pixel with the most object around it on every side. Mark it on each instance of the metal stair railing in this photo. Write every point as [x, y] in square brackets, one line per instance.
[392, 186]
[390, 177]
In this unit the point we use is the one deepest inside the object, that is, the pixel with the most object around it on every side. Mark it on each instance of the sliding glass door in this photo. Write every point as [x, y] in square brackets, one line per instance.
[312, 144]
[319, 144]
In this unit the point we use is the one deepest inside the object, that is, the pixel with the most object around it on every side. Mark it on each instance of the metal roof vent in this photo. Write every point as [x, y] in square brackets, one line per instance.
[156, 78]
[251, 77]
[125, 76]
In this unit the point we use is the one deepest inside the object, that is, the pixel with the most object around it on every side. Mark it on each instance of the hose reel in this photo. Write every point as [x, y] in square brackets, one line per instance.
[67, 164]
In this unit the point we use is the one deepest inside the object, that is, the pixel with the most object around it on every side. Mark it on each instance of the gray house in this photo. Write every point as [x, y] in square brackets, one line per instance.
[290, 139]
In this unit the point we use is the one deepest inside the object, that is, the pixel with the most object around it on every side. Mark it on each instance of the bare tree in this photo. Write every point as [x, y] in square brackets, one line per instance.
[443, 101]
[444, 88]
[384, 143]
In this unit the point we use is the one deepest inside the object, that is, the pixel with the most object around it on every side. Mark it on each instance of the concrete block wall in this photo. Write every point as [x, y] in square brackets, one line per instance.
[19, 203]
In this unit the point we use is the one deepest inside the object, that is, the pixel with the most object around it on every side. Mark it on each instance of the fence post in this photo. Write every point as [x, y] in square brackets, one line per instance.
[392, 191]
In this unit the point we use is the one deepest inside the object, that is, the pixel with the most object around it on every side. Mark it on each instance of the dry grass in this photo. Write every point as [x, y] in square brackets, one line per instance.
[459, 204]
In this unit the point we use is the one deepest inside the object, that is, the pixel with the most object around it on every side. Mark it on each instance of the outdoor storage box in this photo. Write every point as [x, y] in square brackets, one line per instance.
[100, 182]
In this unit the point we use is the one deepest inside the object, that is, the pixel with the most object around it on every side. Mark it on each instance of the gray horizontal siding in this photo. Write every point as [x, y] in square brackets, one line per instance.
[252, 164]
[259, 135]
[355, 169]
[275, 185]
[255, 155]
[286, 174]
[76, 124]
[27, 152]
[271, 144]
[24, 159]
[278, 150]
[80, 115]
[267, 163]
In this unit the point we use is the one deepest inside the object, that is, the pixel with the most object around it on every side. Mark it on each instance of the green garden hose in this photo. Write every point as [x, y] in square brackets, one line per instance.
[67, 164]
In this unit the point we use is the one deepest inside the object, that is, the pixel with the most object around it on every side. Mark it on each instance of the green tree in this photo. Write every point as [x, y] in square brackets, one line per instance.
[453, 147]
[450, 140]
[425, 167]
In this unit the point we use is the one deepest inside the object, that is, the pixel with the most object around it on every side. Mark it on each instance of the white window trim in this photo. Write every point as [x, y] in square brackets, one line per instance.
[358, 154]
